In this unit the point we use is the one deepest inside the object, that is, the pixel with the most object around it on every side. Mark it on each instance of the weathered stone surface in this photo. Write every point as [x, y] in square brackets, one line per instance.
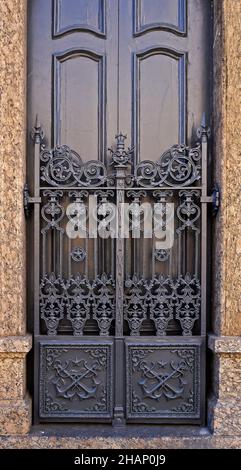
[227, 377]
[226, 137]
[13, 344]
[15, 416]
[12, 166]
[12, 376]
[224, 408]
[15, 408]
[224, 418]
[224, 344]
[35, 441]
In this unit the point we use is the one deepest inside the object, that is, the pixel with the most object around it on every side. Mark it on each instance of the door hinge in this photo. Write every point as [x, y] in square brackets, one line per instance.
[214, 199]
[27, 200]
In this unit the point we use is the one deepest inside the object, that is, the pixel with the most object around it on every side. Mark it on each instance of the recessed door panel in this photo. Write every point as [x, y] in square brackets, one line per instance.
[79, 101]
[160, 14]
[160, 104]
[79, 15]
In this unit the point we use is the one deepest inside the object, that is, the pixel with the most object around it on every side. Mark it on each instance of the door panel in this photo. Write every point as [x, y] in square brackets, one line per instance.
[79, 15]
[68, 75]
[79, 102]
[192, 50]
[159, 14]
[119, 322]
[76, 379]
[159, 95]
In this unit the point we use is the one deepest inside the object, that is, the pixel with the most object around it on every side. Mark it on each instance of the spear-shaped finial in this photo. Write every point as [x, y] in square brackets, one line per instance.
[121, 156]
[37, 133]
[204, 131]
[120, 138]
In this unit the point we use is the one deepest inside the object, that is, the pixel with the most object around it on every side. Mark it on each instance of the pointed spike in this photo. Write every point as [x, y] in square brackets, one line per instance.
[37, 122]
[37, 134]
[203, 123]
[204, 131]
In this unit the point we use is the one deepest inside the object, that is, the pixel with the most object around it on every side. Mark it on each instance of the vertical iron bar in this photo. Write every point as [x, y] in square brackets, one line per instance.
[69, 257]
[86, 252]
[204, 133]
[196, 252]
[44, 252]
[119, 340]
[37, 137]
[60, 253]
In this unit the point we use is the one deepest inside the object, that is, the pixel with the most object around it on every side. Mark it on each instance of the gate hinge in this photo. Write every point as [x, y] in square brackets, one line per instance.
[27, 200]
[214, 199]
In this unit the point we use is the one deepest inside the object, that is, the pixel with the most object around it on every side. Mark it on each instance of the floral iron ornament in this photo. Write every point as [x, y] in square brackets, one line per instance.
[120, 156]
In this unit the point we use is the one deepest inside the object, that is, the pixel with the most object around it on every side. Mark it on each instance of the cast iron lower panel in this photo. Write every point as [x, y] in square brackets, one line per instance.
[75, 380]
[163, 381]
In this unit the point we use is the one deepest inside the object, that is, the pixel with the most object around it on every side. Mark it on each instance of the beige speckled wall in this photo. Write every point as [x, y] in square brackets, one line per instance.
[12, 167]
[227, 135]
[14, 403]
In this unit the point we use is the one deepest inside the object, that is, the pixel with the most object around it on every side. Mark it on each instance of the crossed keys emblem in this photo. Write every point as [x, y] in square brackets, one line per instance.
[157, 382]
[76, 378]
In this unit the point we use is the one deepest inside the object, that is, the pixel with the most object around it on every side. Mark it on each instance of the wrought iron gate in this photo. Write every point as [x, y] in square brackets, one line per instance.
[119, 325]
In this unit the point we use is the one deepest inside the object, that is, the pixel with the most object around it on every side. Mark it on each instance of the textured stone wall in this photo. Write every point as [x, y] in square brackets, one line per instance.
[226, 136]
[224, 415]
[15, 414]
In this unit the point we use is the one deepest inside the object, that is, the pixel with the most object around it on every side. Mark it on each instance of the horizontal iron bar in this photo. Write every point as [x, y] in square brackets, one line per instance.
[127, 188]
[206, 199]
[34, 200]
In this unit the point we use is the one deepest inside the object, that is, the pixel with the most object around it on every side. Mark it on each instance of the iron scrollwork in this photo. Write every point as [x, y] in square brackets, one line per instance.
[178, 166]
[161, 303]
[63, 166]
[163, 299]
[52, 212]
[103, 302]
[52, 301]
[78, 292]
[187, 302]
[188, 212]
[135, 303]
[80, 298]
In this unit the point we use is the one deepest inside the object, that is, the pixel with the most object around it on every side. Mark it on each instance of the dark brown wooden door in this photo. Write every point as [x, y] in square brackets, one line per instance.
[119, 325]
[98, 67]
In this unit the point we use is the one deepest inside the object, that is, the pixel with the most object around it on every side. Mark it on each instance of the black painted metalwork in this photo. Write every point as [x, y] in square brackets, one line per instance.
[88, 289]
[99, 298]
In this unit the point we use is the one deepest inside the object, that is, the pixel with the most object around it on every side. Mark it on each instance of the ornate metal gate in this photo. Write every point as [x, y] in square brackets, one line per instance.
[119, 325]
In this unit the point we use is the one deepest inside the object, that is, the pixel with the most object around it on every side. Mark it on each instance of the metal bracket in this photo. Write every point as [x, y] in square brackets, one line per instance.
[214, 199]
[27, 200]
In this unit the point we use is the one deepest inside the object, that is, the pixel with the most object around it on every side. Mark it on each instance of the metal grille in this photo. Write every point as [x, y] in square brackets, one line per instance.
[119, 324]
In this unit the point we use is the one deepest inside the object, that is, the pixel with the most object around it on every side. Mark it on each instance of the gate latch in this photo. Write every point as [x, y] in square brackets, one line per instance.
[214, 199]
[27, 200]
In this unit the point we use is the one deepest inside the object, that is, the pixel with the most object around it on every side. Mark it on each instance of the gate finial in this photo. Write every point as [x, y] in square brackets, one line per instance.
[204, 131]
[37, 133]
[121, 157]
